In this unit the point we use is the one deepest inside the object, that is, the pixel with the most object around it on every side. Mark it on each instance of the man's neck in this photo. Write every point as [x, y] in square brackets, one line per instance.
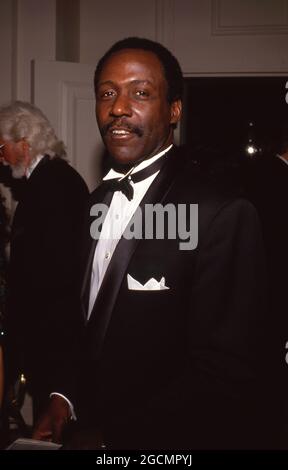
[125, 168]
[140, 165]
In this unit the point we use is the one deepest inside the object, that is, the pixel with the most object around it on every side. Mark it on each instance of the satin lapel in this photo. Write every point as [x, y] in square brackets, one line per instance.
[99, 196]
[105, 301]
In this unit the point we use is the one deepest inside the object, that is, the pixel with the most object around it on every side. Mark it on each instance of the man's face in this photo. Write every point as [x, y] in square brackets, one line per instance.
[132, 111]
[13, 154]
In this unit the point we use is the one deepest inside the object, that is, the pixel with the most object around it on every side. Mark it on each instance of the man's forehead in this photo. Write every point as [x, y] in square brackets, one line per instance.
[133, 56]
[138, 64]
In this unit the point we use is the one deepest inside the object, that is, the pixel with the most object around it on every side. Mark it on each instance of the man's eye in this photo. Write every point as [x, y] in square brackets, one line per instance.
[142, 93]
[107, 94]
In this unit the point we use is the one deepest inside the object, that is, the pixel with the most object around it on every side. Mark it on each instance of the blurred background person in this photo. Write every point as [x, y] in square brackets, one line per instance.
[267, 188]
[42, 324]
[3, 268]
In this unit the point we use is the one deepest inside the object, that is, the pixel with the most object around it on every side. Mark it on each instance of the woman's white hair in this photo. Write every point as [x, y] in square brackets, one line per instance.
[21, 120]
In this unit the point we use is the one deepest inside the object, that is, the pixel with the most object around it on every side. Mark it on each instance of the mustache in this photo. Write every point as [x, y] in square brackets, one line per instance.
[123, 124]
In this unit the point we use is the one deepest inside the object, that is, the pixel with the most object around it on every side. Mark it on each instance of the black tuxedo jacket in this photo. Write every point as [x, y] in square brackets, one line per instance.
[269, 193]
[179, 368]
[43, 320]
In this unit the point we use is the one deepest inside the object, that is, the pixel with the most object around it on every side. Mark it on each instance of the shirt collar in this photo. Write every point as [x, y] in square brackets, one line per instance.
[33, 165]
[116, 174]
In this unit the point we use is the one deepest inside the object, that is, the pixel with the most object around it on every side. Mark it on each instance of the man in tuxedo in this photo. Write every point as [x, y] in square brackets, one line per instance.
[42, 319]
[175, 326]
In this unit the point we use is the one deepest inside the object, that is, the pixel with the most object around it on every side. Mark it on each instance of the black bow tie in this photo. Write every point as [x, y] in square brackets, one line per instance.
[124, 184]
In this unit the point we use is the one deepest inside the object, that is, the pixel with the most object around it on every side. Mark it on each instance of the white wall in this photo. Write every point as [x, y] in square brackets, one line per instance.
[28, 31]
[231, 36]
[36, 39]
[208, 36]
[102, 23]
[6, 35]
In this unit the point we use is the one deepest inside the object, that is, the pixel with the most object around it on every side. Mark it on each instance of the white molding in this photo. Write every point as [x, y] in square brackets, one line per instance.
[70, 93]
[34, 38]
[219, 29]
[14, 33]
[164, 22]
[200, 74]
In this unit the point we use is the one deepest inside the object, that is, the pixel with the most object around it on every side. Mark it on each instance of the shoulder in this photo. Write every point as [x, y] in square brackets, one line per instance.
[207, 185]
[59, 168]
[60, 177]
[219, 196]
[55, 186]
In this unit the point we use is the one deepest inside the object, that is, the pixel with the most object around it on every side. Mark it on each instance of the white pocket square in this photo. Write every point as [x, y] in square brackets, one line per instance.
[152, 284]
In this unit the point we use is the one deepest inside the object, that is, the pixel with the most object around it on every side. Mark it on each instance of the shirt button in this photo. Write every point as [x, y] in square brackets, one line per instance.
[107, 255]
[117, 216]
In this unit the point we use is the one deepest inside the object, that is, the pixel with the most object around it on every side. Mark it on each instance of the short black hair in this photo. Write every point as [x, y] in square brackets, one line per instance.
[170, 64]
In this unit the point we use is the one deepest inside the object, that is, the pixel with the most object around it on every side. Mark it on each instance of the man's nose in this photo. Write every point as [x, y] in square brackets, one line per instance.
[121, 106]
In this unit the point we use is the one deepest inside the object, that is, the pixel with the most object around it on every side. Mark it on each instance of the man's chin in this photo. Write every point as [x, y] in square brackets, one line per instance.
[123, 162]
[121, 167]
[18, 171]
[118, 164]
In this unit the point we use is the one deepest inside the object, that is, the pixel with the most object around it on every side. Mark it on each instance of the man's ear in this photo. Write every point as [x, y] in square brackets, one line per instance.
[176, 111]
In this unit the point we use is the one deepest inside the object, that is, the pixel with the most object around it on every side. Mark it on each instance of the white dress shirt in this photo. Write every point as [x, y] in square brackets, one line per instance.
[119, 214]
[33, 165]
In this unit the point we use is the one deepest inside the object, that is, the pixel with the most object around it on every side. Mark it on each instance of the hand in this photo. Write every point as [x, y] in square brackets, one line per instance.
[53, 422]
